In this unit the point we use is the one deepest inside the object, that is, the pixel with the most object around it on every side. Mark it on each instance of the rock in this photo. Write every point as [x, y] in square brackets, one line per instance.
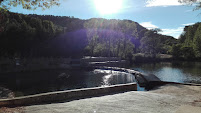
[6, 93]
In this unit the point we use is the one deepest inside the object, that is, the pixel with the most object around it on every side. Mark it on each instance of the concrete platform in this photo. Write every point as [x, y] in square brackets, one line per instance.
[150, 77]
[68, 95]
[164, 99]
[188, 109]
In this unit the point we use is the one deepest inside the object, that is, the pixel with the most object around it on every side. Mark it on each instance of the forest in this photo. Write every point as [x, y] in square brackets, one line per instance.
[189, 43]
[55, 36]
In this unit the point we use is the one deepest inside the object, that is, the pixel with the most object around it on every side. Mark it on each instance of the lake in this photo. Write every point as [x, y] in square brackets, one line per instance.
[182, 72]
[28, 83]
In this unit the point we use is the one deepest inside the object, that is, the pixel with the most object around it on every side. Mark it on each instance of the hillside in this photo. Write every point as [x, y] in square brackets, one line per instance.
[54, 36]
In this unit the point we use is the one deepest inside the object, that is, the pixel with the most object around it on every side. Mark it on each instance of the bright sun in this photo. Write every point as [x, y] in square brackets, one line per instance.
[108, 6]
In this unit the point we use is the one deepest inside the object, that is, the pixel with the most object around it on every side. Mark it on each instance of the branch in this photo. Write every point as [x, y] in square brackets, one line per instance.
[29, 4]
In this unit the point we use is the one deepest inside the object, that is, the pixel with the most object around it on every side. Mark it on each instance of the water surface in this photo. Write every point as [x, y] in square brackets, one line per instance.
[182, 72]
[27, 83]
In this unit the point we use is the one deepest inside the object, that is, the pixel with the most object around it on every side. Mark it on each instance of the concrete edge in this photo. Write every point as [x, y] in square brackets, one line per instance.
[190, 84]
[59, 96]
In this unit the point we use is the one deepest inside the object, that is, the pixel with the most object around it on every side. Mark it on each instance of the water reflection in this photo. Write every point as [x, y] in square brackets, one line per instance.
[27, 83]
[183, 72]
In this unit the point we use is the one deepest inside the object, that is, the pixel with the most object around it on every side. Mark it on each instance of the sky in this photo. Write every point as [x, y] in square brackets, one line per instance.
[168, 15]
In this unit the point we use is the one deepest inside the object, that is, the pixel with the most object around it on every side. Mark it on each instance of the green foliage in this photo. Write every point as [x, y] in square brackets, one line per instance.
[109, 42]
[150, 43]
[189, 35]
[187, 52]
[19, 32]
[29, 4]
[128, 50]
[182, 37]
[116, 48]
[22, 34]
[176, 50]
[190, 41]
[197, 42]
[132, 37]
[92, 44]
[48, 29]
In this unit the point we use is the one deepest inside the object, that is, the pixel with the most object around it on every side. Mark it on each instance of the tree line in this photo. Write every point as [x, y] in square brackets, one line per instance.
[54, 36]
[19, 33]
[189, 43]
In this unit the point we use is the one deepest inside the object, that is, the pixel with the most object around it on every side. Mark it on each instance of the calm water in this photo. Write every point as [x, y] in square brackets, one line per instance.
[27, 83]
[183, 72]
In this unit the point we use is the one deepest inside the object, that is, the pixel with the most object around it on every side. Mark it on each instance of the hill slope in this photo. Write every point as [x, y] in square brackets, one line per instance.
[34, 35]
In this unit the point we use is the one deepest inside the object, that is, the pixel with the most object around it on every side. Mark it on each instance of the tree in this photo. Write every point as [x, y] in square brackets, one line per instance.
[48, 29]
[190, 41]
[176, 50]
[156, 30]
[187, 52]
[29, 4]
[197, 42]
[150, 43]
[191, 2]
[92, 44]
[189, 35]
[128, 49]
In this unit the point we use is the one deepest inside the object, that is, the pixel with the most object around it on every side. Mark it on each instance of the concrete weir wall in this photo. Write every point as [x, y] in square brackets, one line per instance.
[148, 81]
[34, 64]
[66, 95]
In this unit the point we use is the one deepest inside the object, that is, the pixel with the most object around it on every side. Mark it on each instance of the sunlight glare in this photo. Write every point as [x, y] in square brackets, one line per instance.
[108, 6]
